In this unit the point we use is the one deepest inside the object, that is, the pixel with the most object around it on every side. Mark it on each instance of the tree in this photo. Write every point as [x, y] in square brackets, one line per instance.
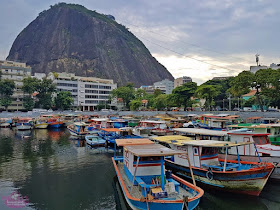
[182, 94]
[242, 83]
[160, 102]
[28, 103]
[157, 92]
[140, 94]
[125, 92]
[64, 100]
[135, 104]
[207, 92]
[30, 85]
[45, 90]
[6, 91]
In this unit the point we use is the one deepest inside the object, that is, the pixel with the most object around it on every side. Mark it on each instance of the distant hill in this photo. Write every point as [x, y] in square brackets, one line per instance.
[71, 38]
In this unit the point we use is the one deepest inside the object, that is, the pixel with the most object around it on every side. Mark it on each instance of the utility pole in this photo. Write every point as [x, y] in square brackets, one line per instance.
[229, 103]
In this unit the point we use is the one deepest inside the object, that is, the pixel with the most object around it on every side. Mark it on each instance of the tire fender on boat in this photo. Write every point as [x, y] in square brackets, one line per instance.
[209, 175]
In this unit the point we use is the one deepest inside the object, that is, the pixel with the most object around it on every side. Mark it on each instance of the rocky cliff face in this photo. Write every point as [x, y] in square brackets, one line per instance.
[71, 38]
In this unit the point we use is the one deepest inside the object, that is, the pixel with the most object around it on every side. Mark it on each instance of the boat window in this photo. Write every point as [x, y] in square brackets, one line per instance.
[209, 151]
[268, 130]
[261, 139]
[147, 158]
[257, 140]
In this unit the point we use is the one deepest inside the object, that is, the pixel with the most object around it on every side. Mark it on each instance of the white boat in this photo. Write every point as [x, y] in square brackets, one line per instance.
[24, 124]
[95, 141]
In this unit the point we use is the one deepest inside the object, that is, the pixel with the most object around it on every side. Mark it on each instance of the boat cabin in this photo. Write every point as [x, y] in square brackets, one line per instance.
[261, 140]
[153, 123]
[205, 134]
[143, 163]
[202, 154]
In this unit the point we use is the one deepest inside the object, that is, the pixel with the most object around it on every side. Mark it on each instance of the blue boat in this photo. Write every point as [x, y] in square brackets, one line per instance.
[144, 183]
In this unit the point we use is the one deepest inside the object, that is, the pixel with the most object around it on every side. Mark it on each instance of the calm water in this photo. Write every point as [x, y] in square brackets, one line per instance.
[55, 172]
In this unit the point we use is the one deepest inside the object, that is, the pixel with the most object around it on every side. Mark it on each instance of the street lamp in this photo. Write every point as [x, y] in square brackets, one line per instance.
[257, 95]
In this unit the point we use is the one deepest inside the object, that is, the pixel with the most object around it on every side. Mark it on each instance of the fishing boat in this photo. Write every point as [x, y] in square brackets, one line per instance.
[218, 122]
[41, 123]
[144, 182]
[79, 129]
[95, 141]
[272, 129]
[55, 123]
[236, 176]
[5, 122]
[266, 151]
[24, 124]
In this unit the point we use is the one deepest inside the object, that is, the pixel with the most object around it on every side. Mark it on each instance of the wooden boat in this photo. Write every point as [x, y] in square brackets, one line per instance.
[5, 122]
[41, 123]
[266, 151]
[241, 177]
[143, 181]
[95, 141]
[272, 129]
[79, 129]
[55, 123]
[24, 124]
[218, 122]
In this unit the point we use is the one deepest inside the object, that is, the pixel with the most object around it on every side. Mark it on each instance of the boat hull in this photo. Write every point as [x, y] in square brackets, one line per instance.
[275, 174]
[55, 125]
[41, 126]
[23, 127]
[250, 182]
[136, 204]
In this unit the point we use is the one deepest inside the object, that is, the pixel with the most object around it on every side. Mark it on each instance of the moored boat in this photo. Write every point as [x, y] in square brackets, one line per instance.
[79, 129]
[95, 141]
[55, 123]
[24, 124]
[41, 123]
[241, 177]
[143, 181]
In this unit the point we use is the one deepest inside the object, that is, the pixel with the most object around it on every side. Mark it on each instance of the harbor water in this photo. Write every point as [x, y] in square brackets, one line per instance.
[52, 171]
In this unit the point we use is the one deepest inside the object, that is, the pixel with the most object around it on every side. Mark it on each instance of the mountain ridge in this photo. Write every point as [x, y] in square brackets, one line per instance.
[71, 38]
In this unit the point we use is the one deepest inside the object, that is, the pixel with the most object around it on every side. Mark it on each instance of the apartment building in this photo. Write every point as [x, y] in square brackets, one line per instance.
[87, 92]
[15, 71]
[182, 80]
[166, 86]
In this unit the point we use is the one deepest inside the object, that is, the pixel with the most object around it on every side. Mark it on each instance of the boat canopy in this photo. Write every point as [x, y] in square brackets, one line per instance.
[152, 150]
[171, 138]
[127, 142]
[80, 123]
[212, 143]
[153, 121]
[111, 129]
[205, 132]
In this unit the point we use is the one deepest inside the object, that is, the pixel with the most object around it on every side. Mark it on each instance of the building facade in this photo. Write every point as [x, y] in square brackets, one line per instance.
[182, 80]
[87, 92]
[16, 72]
[166, 86]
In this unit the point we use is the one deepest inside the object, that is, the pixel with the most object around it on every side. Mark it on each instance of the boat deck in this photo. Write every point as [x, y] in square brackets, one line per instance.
[136, 191]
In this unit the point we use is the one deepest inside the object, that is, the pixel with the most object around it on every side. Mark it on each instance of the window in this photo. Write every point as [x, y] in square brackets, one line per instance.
[91, 96]
[105, 87]
[91, 101]
[104, 92]
[91, 86]
[91, 91]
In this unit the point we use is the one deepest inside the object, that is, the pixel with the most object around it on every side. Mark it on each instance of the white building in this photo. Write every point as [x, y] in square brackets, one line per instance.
[166, 86]
[15, 71]
[87, 92]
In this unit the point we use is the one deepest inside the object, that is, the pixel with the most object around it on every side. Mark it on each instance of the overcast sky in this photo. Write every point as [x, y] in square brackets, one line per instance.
[196, 38]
